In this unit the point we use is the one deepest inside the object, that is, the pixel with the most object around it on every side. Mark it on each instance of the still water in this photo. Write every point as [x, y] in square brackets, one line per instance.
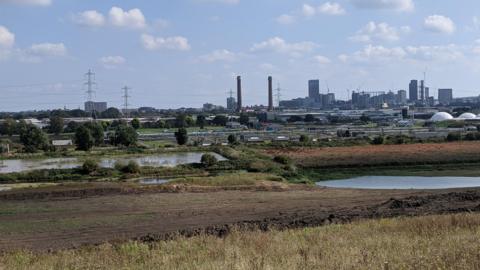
[162, 160]
[403, 182]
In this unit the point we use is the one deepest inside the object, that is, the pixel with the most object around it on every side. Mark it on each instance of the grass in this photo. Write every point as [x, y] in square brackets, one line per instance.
[232, 179]
[432, 242]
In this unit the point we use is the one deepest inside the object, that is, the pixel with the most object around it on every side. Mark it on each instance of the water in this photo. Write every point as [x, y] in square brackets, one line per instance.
[4, 188]
[403, 182]
[153, 181]
[161, 160]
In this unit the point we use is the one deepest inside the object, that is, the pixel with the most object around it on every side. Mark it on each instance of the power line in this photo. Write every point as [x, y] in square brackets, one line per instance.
[90, 83]
[125, 98]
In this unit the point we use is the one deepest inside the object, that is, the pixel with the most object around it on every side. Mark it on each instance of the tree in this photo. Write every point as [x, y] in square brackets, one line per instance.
[34, 139]
[83, 138]
[304, 138]
[89, 166]
[182, 136]
[111, 113]
[97, 132]
[135, 123]
[244, 119]
[8, 127]
[181, 121]
[378, 140]
[364, 118]
[208, 160]
[71, 127]
[309, 118]
[56, 125]
[220, 120]
[295, 118]
[232, 139]
[201, 121]
[125, 135]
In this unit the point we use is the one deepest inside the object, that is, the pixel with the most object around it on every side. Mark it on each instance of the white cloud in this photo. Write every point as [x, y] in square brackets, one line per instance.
[230, 2]
[37, 52]
[7, 38]
[279, 45]
[446, 53]
[378, 31]
[443, 53]
[323, 60]
[331, 9]
[170, 43]
[90, 18]
[285, 19]
[308, 11]
[439, 24]
[112, 61]
[398, 5]
[27, 2]
[133, 18]
[219, 55]
[47, 49]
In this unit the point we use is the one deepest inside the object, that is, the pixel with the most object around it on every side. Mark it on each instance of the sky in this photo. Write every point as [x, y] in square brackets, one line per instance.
[185, 53]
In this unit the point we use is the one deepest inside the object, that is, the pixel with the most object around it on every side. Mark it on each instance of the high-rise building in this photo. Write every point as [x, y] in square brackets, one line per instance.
[445, 96]
[422, 90]
[314, 90]
[413, 90]
[402, 97]
[91, 106]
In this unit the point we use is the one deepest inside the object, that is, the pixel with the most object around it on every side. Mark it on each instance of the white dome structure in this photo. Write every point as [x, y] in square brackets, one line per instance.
[467, 116]
[441, 116]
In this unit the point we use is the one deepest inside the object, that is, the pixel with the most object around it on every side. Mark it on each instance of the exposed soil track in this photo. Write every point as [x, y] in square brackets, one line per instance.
[73, 221]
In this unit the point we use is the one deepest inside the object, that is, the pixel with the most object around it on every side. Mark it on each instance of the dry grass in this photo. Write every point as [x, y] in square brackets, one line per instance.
[235, 179]
[383, 154]
[436, 242]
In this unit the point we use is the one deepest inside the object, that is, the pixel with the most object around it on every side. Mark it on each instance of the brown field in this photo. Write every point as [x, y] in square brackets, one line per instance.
[71, 219]
[382, 154]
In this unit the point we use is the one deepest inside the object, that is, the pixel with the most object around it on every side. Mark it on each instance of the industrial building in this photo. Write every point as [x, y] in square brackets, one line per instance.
[445, 96]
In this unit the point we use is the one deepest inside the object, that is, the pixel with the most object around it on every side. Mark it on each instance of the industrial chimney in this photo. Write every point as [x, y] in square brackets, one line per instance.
[239, 94]
[270, 94]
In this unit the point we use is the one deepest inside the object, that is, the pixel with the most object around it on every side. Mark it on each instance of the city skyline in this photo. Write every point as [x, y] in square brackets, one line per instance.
[188, 53]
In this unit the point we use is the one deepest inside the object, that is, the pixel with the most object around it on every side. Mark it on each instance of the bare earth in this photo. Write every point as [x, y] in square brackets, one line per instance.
[73, 219]
[382, 154]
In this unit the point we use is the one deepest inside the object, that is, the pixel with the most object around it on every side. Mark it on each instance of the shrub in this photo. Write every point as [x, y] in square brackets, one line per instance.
[378, 140]
[182, 136]
[89, 166]
[304, 138]
[454, 136]
[232, 139]
[282, 160]
[208, 160]
[470, 137]
[132, 167]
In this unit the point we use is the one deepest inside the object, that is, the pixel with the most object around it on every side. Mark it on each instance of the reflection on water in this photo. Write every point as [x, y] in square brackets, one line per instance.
[153, 181]
[403, 182]
[163, 160]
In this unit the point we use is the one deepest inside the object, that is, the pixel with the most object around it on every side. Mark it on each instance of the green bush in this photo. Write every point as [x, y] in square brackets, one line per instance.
[454, 136]
[304, 138]
[282, 160]
[89, 166]
[208, 160]
[132, 167]
[378, 140]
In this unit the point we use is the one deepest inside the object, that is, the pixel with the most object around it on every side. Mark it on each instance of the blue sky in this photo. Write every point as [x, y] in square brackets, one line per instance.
[187, 52]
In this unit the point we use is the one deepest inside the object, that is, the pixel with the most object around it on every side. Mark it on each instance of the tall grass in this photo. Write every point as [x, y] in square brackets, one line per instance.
[436, 242]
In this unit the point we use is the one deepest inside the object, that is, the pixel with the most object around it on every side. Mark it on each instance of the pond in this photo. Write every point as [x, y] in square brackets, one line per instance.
[153, 181]
[403, 182]
[161, 160]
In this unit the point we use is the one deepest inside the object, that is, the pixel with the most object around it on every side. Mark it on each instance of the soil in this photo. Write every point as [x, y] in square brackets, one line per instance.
[78, 216]
[405, 154]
